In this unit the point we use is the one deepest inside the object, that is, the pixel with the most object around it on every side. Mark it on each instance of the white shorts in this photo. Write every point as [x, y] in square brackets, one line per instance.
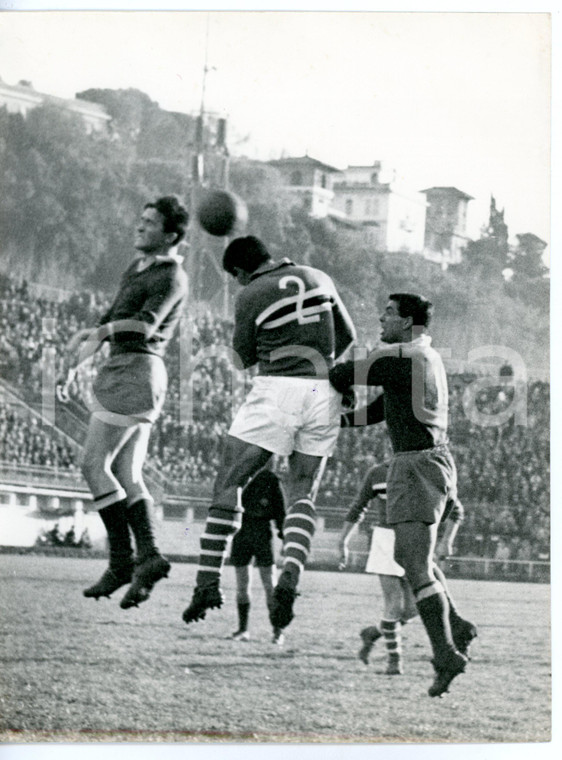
[381, 555]
[286, 414]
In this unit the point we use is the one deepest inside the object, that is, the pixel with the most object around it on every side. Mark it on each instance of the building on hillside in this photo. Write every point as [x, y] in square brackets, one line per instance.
[22, 98]
[310, 180]
[445, 226]
[391, 215]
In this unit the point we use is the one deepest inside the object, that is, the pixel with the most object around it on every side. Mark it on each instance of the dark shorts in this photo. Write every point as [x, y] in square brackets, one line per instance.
[130, 388]
[253, 540]
[419, 485]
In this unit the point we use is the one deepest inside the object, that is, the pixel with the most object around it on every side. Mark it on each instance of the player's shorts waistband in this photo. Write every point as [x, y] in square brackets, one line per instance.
[441, 448]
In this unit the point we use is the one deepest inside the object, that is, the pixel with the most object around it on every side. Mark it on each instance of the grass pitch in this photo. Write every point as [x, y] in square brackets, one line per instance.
[76, 670]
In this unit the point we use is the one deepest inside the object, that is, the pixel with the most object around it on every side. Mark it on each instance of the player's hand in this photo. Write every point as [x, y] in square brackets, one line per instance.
[443, 550]
[348, 399]
[63, 384]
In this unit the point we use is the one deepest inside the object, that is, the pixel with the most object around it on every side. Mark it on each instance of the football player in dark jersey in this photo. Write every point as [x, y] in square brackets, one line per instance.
[264, 503]
[422, 474]
[128, 395]
[291, 322]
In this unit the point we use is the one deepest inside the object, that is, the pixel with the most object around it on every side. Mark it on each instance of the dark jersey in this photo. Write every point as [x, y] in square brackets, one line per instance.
[263, 501]
[149, 302]
[415, 395]
[290, 320]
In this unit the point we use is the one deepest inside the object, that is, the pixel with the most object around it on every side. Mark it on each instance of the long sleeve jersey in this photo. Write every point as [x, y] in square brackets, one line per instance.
[291, 321]
[415, 391]
[151, 298]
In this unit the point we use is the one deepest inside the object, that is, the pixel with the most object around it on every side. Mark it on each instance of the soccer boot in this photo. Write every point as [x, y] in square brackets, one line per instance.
[463, 633]
[240, 636]
[146, 574]
[368, 636]
[394, 666]
[278, 637]
[445, 672]
[204, 598]
[111, 580]
[281, 610]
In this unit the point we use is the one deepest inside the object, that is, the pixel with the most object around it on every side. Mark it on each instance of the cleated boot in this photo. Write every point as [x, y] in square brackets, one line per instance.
[146, 574]
[445, 672]
[464, 632]
[204, 598]
[110, 581]
[369, 636]
[278, 637]
[281, 611]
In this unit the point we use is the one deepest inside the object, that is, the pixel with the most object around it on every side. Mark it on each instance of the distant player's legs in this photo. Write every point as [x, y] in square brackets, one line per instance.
[150, 565]
[397, 610]
[298, 529]
[243, 601]
[240, 463]
[103, 443]
[414, 548]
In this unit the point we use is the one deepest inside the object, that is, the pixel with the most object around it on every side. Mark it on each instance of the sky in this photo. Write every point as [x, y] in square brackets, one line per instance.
[459, 99]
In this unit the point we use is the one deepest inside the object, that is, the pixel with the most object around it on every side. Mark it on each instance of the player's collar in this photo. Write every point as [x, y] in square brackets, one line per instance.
[270, 266]
[143, 262]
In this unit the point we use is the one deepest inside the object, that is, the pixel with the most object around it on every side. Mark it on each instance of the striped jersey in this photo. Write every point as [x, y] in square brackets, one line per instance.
[291, 321]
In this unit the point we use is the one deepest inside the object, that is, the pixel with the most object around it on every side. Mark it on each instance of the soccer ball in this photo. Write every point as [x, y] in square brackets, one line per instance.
[220, 213]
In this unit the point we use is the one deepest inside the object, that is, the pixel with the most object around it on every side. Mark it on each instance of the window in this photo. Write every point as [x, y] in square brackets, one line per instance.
[349, 206]
[322, 180]
[296, 178]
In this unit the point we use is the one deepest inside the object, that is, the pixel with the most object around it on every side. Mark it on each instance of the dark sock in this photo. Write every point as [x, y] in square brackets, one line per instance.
[453, 612]
[139, 518]
[434, 612]
[114, 518]
[243, 614]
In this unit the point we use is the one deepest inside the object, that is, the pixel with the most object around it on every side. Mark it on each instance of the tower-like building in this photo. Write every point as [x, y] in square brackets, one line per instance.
[445, 226]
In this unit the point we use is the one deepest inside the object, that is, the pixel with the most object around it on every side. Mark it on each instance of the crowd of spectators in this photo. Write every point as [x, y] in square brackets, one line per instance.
[503, 462]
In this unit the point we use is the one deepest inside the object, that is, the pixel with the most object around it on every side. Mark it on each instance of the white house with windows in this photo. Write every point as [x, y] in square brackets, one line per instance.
[22, 98]
[392, 214]
[310, 180]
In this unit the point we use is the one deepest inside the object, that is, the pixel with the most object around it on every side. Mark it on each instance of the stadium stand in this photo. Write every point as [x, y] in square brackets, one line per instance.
[503, 469]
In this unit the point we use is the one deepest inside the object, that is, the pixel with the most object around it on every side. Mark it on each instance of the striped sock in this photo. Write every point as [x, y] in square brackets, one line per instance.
[298, 530]
[223, 521]
[391, 630]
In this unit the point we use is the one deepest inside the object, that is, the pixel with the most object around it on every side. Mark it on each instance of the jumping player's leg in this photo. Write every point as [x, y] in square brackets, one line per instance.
[414, 548]
[150, 565]
[102, 445]
[305, 473]
[463, 631]
[241, 461]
